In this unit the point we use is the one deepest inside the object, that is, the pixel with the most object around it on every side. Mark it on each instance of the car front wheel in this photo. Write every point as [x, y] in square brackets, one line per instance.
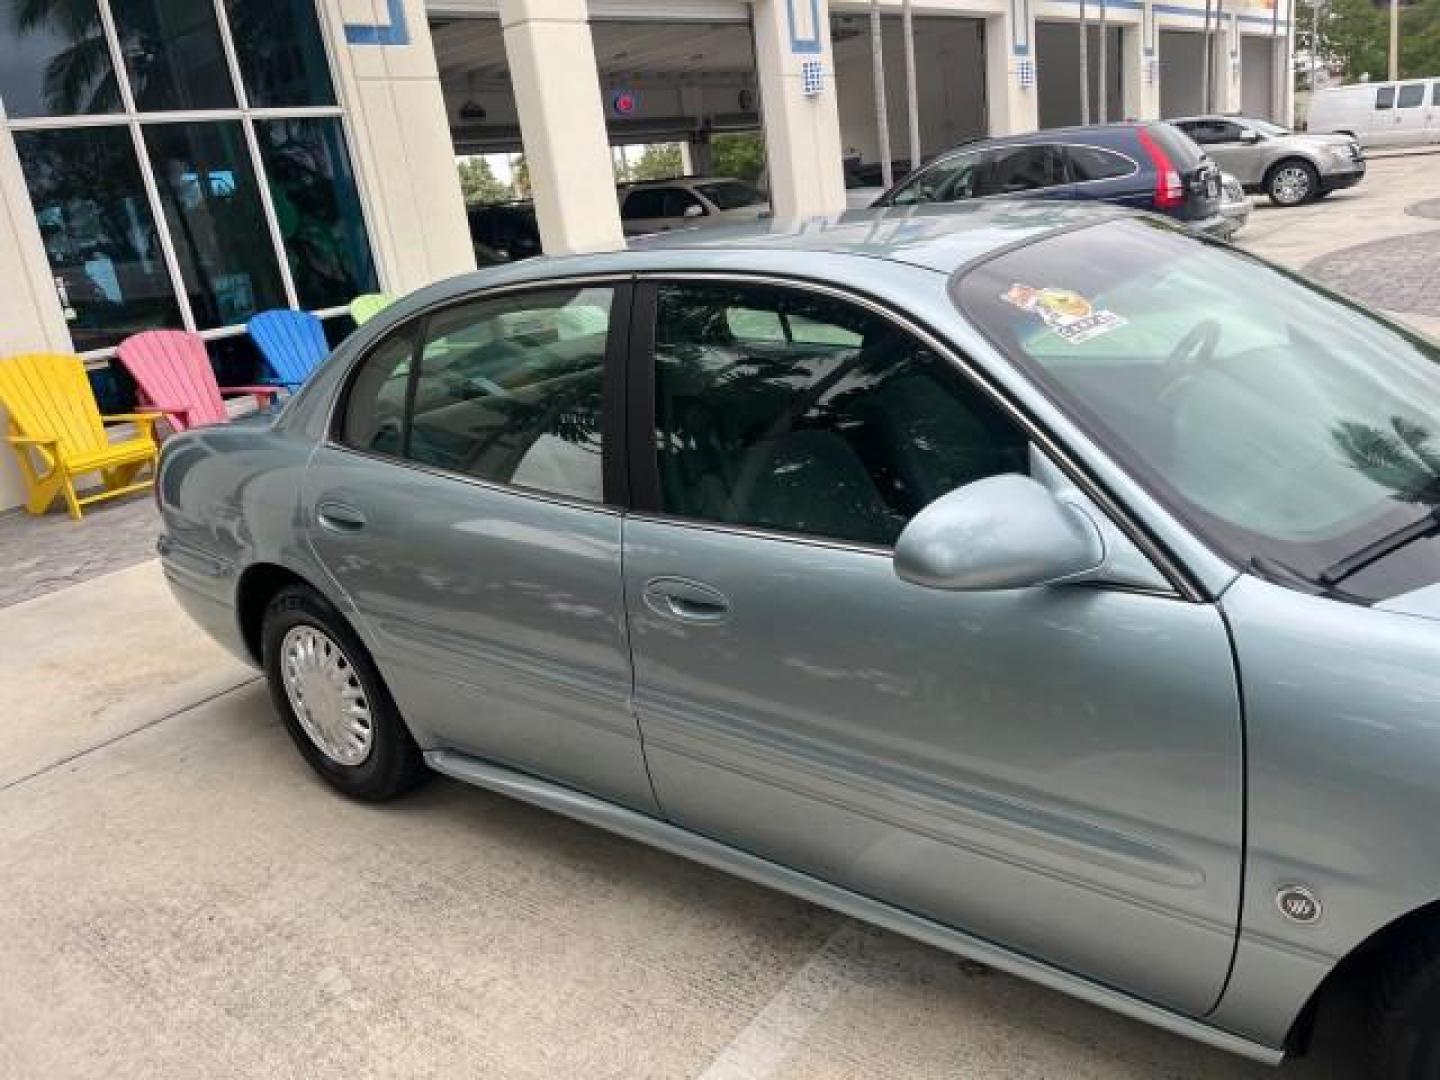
[1292, 182]
[1405, 1016]
[333, 702]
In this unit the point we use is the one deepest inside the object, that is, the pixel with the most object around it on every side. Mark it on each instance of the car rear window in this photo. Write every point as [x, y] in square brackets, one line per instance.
[1178, 147]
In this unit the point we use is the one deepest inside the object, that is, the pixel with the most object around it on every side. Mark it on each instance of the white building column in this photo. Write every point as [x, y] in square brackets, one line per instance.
[1140, 52]
[384, 64]
[802, 123]
[31, 319]
[1225, 67]
[1010, 70]
[562, 124]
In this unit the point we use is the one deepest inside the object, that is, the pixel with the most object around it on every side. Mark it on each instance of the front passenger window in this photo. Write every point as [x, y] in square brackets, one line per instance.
[824, 419]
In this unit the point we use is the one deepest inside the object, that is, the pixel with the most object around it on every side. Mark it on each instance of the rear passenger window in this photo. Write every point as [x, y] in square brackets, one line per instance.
[825, 419]
[645, 203]
[1024, 168]
[1092, 163]
[1412, 96]
[507, 389]
[1384, 97]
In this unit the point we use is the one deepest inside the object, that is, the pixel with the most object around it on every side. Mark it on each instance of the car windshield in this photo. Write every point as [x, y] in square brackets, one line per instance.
[1294, 431]
[731, 194]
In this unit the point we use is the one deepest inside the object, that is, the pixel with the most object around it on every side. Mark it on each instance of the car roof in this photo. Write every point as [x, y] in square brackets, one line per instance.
[940, 238]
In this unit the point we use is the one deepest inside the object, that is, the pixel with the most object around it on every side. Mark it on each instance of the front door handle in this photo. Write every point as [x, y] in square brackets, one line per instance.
[685, 600]
[339, 517]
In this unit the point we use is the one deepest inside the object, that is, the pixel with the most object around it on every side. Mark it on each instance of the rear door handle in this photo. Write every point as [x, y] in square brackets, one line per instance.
[339, 517]
[685, 600]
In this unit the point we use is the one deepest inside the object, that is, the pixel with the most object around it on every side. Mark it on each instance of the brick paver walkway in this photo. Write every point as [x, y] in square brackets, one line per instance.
[1399, 274]
[42, 554]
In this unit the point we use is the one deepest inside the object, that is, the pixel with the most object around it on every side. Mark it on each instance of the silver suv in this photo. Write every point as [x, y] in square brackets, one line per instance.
[1264, 157]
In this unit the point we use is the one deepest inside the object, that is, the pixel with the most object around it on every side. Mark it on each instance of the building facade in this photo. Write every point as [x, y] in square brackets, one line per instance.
[188, 163]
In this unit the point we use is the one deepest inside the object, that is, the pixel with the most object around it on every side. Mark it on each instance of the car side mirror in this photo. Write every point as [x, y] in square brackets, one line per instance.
[1250, 136]
[1003, 532]
[694, 210]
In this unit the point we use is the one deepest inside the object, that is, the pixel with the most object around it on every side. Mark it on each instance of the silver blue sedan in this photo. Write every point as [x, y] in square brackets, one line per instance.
[1042, 582]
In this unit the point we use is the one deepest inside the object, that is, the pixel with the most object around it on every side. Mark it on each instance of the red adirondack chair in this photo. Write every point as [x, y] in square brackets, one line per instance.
[174, 374]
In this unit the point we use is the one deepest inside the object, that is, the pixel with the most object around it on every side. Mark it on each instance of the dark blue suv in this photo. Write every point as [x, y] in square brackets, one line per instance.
[1148, 166]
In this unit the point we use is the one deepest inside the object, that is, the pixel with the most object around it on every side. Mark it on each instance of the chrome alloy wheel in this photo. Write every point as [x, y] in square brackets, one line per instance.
[325, 692]
[1291, 185]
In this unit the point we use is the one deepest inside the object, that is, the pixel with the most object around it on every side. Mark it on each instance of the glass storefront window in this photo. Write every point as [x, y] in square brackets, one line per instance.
[318, 208]
[212, 205]
[282, 55]
[54, 60]
[173, 54]
[99, 234]
[204, 200]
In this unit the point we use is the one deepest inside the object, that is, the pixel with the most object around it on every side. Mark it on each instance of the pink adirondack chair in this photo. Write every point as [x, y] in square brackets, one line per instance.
[174, 374]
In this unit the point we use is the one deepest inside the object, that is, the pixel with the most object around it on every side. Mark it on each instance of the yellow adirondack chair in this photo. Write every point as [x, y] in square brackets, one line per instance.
[58, 434]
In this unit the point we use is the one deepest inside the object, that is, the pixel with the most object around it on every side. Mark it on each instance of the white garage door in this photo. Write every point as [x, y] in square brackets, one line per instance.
[1257, 77]
[1182, 63]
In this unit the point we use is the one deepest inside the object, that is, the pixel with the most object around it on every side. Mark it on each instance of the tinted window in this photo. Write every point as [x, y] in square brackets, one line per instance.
[1092, 163]
[374, 417]
[783, 410]
[1023, 168]
[53, 61]
[1384, 97]
[958, 177]
[212, 203]
[678, 200]
[282, 56]
[509, 389]
[1412, 96]
[318, 208]
[1176, 355]
[644, 203]
[99, 235]
[173, 53]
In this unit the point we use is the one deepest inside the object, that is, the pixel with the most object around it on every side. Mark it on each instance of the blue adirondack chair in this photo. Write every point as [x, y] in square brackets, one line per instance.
[292, 342]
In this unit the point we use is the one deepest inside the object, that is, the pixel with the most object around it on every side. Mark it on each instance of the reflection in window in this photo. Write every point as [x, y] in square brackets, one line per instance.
[173, 55]
[98, 232]
[282, 56]
[212, 205]
[509, 389]
[54, 60]
[783, 410]
[318, 208]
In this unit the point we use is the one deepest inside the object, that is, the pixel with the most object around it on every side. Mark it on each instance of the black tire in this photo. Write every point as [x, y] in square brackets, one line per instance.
[392, 764]
[1405, 1011]
[1292, 182]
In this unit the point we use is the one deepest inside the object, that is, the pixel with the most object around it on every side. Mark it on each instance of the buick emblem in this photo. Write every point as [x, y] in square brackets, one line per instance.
[1298, 904]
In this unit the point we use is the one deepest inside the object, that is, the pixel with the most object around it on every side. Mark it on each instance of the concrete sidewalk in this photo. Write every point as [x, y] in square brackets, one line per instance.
[182, 898]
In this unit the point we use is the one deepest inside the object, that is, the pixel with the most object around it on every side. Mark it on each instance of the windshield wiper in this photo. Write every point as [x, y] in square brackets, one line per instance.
[1373, 552]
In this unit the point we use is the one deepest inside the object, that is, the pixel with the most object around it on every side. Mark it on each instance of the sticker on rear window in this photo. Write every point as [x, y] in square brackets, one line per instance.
[1068, 314]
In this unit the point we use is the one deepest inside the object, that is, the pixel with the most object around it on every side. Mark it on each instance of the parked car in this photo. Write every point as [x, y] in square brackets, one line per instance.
[661, 205]
[1036, 580]
[1234, 205]
[1405, 113]
[504, 232]
[1275, 161]
[1147, 166]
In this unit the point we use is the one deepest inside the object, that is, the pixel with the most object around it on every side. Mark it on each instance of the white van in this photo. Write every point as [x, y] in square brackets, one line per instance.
[1405, 113]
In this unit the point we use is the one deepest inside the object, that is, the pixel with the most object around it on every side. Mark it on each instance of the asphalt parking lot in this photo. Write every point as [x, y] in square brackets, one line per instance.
[180, 897]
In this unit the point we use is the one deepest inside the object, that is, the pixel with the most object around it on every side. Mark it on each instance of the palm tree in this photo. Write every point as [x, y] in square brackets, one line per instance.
[78, 79]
